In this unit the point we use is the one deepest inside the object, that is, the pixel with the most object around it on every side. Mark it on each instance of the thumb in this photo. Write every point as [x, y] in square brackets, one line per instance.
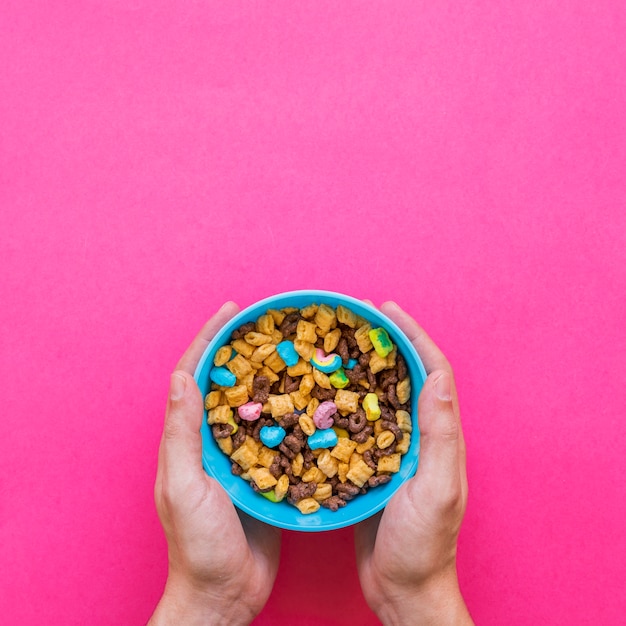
[181, 444]
[440, 437]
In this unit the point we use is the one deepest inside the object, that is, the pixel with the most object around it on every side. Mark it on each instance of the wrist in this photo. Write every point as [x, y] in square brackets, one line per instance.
[436, 601]
[186, 605]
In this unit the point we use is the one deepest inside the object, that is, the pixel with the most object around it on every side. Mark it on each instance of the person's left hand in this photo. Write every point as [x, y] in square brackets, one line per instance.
[222, 563]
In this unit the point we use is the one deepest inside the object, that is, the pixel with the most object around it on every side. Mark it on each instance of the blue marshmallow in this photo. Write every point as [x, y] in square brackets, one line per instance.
[322, 438]
[287, 352]
[351, 364]
[272, 436]
[223, 377]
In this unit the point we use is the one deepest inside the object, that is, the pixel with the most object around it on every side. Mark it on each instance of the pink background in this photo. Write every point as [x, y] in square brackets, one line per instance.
[465, 159]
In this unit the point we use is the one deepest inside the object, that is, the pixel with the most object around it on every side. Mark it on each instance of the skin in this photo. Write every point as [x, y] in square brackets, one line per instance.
[222, 563]
[406, 556]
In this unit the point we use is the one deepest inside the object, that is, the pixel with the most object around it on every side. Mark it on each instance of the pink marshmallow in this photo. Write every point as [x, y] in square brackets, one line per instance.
[323, 416]
[250, 411]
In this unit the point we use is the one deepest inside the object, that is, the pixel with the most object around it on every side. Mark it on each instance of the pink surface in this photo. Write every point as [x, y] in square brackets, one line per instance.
[466, 160]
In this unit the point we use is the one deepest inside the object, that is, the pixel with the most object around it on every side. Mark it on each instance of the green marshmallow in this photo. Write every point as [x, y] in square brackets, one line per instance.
[381, 341]
[270, 495]
[338, 379]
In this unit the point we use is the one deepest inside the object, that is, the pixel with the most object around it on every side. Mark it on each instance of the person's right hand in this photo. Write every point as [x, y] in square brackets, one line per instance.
[406, 557]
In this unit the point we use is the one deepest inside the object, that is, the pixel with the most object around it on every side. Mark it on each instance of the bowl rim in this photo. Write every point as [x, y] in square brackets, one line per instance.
[274, 514]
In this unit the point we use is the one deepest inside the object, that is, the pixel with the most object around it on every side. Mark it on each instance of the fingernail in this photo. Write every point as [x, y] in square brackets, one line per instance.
[177, 386]
[443, 387]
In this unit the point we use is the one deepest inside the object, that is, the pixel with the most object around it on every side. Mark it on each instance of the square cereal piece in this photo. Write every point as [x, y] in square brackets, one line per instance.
[403, 390]
[404, 421]
[265, 324]
[346, 401]
[360, 473]
[346, 316]
[222, 356]
[403, 445]
[377, 363]
[331, 340]
[306, 506]
[239, 366]
[299, 369]
[269, 374]
[219, 415]
[300, 401]
[257, 339]
[309, 311]
[306, 424]
[277, 337]
[362, 337]
[304, 349]
[275, 363]
[305, 331]
[281, 488]
[262, 477]
[342, 471]
[354, 459]
[225, 445]
[328, 464]
[307, 382]
[323, 491]
[321, 379]
[344, 449]
[311, 407]
[266, 456]
[367, 445]
[242, 347]
[390, 463]
[325, 317]
[213, 398]
[278, 316]
[248, 381]
[245, 457]
[391, 358]
[313, 475]
[297, 464]
[262, 352]
[280, 405]
[236, 396]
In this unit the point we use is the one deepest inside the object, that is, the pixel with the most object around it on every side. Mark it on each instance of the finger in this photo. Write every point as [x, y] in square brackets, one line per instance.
[430, 354]
[180, 452]
[440, 435]
[189, 360]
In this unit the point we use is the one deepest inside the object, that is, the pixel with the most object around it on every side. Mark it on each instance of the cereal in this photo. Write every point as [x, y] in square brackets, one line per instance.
[381, 341]
[323, 438]
[281, 405]
[250, 411]
[272, 436]
[370, 404]
[311, 405]
[323, 416]
[326, 363]
[236, 396]
[339, 379]
[222, 377]
[222, 356]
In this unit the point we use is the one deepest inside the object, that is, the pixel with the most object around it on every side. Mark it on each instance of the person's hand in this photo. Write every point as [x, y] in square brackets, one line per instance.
[222, 563]
[406, 557]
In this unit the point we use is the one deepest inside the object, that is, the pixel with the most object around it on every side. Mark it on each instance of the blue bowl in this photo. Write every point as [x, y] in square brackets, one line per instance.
[283, 514]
